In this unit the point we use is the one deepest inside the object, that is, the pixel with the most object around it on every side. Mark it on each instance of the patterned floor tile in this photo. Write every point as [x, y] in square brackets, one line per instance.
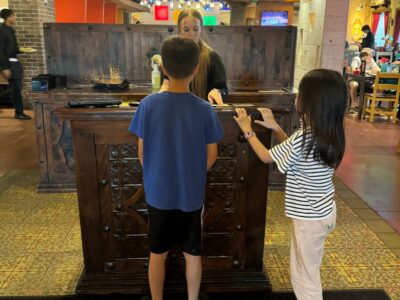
[278, 282]
[35, 262]
[282, 256]
[57, 282]
[8, 263]
[21, 283]
[335, 278]
[3, 278]
[16, 245]
[286, 277]
[278, 240]
[330, 259]
[269, 258]
[383, 258]
[365, 277]
[353, 258]
[68, 261]
[47, 244]
[47, 239]
[31, 230]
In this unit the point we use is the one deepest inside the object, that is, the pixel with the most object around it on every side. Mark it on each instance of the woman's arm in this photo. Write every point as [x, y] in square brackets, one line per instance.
[216, 80]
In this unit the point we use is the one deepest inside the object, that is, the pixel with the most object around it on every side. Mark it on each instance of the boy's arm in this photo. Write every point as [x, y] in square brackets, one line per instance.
[140, 150]
[212, 151]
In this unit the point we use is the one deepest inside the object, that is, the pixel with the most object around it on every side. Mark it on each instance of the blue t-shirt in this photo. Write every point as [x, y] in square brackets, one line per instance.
[175, 128]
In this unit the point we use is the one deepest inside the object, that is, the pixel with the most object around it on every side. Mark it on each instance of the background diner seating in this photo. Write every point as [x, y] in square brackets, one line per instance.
[383, 82]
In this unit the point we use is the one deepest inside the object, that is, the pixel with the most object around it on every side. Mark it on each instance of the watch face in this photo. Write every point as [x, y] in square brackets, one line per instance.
[248, 134]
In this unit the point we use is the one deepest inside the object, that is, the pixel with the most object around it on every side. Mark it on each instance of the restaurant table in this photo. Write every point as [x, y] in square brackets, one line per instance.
[361, 79]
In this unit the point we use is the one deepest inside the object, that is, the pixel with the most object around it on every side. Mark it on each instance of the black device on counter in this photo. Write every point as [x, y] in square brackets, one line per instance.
[90, 103]
[134, 104]
[43, 83]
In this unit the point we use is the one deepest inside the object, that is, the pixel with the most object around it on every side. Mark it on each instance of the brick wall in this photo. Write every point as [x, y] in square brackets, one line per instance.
[238, 13]
[334, 39]
[30, 18]
[321, 36]
[309, 38]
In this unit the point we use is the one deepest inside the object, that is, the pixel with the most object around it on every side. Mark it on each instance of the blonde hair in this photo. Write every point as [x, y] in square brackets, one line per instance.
[199, 84]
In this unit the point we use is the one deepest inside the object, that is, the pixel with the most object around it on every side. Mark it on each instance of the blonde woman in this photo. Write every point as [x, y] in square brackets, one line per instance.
[210, 81]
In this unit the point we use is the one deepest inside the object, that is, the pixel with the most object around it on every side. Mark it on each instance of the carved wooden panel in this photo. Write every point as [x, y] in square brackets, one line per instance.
[124, 211]
[252, 55]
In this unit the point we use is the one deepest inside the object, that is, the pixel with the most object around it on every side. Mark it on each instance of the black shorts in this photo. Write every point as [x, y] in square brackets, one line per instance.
[175, 228]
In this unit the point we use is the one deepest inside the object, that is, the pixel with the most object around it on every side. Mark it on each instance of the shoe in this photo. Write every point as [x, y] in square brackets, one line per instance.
[22, 116]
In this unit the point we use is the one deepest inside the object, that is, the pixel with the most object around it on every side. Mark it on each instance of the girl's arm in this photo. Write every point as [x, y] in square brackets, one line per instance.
[244, 122]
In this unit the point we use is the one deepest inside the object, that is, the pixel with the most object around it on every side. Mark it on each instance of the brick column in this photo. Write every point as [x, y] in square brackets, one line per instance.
[30, 18]
[237, 13]
[321, 36]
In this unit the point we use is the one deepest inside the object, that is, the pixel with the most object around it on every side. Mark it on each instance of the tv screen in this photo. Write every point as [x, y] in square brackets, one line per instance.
[274, 18]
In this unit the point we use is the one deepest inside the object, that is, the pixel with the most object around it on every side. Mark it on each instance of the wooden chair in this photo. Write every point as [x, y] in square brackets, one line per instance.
[378, 96]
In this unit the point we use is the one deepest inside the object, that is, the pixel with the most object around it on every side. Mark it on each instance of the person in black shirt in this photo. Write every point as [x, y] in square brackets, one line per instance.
[369, 40]
[9, 64]
[210, 81]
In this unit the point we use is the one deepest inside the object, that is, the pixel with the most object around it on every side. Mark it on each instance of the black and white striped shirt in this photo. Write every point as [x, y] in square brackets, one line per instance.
[309, 188]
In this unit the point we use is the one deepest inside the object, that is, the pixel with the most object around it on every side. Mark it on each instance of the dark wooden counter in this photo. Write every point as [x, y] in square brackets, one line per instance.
[56, 157]
[113, 213]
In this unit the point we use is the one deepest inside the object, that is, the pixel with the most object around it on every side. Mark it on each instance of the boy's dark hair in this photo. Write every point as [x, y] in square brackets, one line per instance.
[322, 102]
[180, 56]
[366, 27]
[364, 54]
[6, 13]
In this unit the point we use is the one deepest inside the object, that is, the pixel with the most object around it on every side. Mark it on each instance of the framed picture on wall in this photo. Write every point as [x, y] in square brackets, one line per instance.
[274, 18]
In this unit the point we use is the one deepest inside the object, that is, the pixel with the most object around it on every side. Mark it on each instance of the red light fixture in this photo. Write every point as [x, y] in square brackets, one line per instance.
[161, 13]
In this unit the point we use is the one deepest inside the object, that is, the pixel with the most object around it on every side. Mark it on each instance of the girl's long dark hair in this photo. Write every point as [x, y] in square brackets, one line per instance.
[321, 104]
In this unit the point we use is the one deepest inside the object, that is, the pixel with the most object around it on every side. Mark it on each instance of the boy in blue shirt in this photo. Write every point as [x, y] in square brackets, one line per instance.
[177, 134]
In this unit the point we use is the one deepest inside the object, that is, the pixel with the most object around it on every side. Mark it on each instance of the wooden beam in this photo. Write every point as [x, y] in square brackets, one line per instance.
[130, 6]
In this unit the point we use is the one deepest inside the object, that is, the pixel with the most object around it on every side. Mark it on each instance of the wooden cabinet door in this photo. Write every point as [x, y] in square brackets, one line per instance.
[124, 214]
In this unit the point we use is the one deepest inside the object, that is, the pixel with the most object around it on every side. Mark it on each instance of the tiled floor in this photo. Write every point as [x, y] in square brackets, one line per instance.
[18, 148]
[355, 257]
[41, 251]
[40, 247]
[371, 168]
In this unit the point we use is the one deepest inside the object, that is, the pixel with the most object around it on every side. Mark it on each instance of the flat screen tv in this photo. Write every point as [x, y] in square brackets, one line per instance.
[274, 18]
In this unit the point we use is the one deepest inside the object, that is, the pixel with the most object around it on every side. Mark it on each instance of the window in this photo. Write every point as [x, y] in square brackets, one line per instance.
[380, 31]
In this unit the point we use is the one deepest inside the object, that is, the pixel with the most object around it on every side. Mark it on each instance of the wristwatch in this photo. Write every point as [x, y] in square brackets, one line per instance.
[248, 134]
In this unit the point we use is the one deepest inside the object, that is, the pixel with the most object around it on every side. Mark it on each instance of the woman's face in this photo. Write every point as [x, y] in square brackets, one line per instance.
[190, 28]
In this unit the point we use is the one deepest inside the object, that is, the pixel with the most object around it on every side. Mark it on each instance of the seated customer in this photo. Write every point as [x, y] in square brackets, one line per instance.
[371, 68]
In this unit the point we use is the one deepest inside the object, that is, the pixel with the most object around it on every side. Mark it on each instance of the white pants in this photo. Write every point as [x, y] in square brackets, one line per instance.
[306, 250]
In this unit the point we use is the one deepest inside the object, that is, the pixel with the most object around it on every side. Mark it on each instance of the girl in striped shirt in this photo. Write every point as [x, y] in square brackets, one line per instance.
[308, 158]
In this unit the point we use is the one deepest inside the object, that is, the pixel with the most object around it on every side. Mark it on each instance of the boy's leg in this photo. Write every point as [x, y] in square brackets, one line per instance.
[161, 236]
[190, 239]
[157, 275]
[306, 250]
[193, 275]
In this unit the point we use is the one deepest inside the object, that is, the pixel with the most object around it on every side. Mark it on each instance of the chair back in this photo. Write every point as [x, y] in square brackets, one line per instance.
[387, 81]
